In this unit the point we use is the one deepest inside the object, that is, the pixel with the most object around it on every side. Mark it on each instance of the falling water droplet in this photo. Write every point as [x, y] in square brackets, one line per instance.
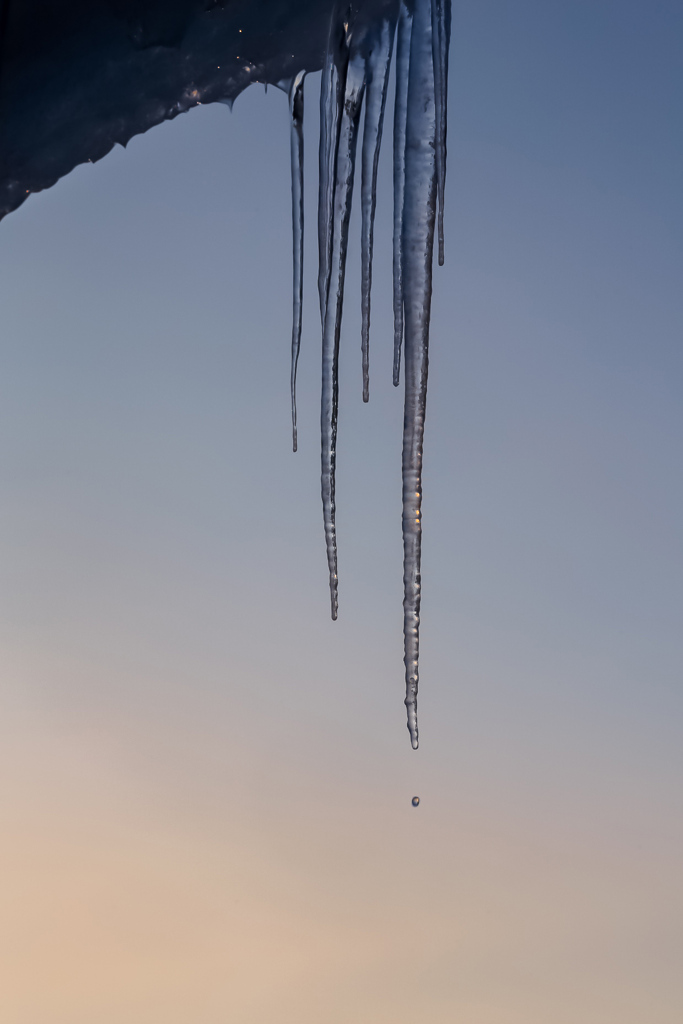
[416, 801]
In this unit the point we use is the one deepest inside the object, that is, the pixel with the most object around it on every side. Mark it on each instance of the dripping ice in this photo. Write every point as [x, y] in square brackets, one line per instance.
[355, 77]
[62, 120]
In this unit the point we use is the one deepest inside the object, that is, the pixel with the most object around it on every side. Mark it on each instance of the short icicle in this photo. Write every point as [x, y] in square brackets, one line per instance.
[405, 26]
[441, 32]
[296, 111]
[419, 212]
[378, 64]
[332, 301]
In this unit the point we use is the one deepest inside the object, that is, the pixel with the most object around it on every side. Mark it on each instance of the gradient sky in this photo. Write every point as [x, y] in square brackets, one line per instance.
[206, 783]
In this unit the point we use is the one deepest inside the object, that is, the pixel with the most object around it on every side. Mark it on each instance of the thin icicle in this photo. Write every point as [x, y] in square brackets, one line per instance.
[378, 64]
[441, 31]
[296, 110]
[329, 121]
[334, 299]
[405, 25]
[332, 88]
[419, 213]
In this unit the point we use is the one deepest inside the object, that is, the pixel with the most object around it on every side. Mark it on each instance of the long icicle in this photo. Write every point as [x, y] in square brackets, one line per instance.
[405, 25]
[342, 194]
[378, 64]
[419, 212]
[332, 89]
[441, 31]
[296, 110]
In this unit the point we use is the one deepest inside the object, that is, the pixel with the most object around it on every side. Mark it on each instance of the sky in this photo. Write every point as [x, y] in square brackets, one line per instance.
[205, 783]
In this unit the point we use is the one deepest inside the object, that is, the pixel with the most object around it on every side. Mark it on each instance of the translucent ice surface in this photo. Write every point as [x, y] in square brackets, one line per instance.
[356, 69]
[77, 77]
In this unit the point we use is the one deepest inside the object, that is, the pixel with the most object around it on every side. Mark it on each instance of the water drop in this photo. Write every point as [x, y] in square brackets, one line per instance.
[416, 801]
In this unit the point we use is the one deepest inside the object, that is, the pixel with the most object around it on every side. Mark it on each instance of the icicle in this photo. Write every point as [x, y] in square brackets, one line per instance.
[378, 64]
[342, 188]
[296, 109]
[405, 25]
[417, 247]
[419, 174]
[332, 88]
[441, 31]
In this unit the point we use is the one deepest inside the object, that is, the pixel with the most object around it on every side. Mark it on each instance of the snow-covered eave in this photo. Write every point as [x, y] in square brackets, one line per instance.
[79, 76]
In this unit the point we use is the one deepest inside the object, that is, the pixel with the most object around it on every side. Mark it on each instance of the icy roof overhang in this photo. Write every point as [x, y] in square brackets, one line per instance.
[78, 76]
